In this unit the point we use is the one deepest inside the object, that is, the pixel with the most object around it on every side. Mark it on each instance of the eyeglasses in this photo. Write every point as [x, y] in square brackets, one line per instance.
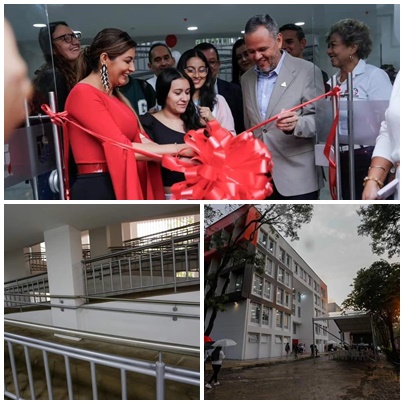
[68, 38]
[202, 71]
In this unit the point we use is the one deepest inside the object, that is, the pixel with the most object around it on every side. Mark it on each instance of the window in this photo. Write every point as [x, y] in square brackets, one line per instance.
[263, 238]
[267, 290]
[265, 338]
[278, 339]
[310, 280]
[271, 246]
[257, 287]
[294, 309]
[238, 282]
[269, 266]
[265, 315]
[287, 299]
[279, 318]
[294, 328]
[296, 269]
[288, 260]
[294, 295]
[282, 255]
[299, 312]
[286, 321]
[254, 338]
[281, 275]
[287, 279]
[299, 297]
[301, 273]
[255, 313]
[279, 296]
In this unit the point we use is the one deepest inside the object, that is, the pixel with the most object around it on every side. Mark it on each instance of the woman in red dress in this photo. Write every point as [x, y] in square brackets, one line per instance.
[106, 170]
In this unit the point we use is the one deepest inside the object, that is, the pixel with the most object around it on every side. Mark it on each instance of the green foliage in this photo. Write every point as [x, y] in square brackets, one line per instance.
[382, 224]
[377, 289]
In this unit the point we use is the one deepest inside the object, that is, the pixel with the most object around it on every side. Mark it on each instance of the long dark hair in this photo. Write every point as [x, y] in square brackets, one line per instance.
[235, 68]
[207, 96]
[163, 86]
[112, 41]
[60, 63]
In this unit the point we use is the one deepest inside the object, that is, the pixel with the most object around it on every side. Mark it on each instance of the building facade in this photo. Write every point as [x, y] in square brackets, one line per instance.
[267, 306]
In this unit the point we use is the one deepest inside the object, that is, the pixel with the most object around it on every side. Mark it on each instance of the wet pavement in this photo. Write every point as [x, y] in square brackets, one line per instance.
[289, 379]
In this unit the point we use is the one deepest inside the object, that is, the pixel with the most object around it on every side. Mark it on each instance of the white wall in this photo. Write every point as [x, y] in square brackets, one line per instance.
[231, 324]
[184, 331]
[14, 265]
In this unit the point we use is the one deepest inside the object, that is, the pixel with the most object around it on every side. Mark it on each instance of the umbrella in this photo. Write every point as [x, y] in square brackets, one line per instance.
[207, 338]
[224, 342]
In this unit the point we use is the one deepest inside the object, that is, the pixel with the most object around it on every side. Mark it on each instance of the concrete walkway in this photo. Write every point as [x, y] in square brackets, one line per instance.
[302, 379]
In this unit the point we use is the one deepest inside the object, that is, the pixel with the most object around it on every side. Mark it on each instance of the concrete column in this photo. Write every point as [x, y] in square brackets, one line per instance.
[64, 255]
[114, 235]
[98, 242]
[126, 234]
[14, 265]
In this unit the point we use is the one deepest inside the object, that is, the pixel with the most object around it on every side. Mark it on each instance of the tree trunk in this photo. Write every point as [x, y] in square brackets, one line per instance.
[391, 333]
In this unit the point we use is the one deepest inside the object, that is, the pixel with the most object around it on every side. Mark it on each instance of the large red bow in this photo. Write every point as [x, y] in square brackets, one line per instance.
[226, 166]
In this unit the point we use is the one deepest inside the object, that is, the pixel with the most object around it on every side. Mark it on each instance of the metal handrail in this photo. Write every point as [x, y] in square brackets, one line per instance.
[159, 370]
[138, 343]
[142, 247]
[44, 294]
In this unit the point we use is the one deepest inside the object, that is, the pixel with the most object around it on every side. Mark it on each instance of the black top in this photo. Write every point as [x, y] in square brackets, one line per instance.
[234, 97]
[161, 134]
[43, 83]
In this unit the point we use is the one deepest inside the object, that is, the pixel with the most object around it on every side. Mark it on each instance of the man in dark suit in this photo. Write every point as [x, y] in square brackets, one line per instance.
[294, 42]
[278, 83]
[231, 92]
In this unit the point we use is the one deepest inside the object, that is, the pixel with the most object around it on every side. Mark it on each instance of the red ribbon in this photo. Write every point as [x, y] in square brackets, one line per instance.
[61, 119]
[335, 92]
[226, 166]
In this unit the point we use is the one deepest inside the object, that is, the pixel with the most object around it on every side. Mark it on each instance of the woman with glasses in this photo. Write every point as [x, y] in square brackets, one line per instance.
[61, 48]
[209, 105]
[174, 91]
[107, 166]
[240, 61]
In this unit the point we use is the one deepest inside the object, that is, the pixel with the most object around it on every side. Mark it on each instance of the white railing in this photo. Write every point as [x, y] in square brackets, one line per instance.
[13, 368]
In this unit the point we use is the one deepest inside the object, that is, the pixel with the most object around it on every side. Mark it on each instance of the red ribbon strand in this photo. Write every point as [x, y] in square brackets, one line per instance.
[226, 167]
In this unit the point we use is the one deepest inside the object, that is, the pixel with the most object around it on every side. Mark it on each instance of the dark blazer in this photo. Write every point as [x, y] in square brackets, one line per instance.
[234, 97]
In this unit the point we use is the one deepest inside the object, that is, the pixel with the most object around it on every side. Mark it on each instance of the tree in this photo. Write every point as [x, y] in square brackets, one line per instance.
[382, 224]
[234, 249]
[377, 290]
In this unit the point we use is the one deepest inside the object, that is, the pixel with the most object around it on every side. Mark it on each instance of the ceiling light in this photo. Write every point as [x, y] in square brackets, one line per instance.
[192, 28]
[39, 25]
[300, 23]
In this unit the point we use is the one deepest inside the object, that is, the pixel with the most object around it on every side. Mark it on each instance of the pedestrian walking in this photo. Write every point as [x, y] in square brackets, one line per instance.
[287, 349]
[295, 350]
[217, 360]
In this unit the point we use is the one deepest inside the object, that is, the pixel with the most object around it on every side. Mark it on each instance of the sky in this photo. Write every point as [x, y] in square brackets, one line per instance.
[330, 245]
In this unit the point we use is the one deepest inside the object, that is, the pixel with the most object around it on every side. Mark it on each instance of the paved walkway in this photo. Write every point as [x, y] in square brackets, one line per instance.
[302, 379]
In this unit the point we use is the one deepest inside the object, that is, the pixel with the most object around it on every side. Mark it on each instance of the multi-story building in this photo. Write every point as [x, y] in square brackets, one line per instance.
[268, 307]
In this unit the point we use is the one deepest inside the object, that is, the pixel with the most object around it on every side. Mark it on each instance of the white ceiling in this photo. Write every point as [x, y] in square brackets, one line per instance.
[156, 21]
[24, 224]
